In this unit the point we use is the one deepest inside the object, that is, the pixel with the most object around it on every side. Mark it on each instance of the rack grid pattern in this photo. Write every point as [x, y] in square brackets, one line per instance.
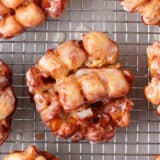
[141, 141]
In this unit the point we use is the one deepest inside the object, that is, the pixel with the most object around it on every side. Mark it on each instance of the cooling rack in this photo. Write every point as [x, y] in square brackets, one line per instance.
[141, 141]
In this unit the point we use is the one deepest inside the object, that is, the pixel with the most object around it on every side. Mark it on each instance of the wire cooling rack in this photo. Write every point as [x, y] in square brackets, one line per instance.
[141, 141]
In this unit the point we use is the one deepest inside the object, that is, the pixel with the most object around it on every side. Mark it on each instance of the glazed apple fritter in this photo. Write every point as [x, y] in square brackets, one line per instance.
[54, 8]
[148, 9]
[157, 157]
[17, 15]
[81, 100]
[153, 53]
[7, 101]
[152, 91]
[30, 153]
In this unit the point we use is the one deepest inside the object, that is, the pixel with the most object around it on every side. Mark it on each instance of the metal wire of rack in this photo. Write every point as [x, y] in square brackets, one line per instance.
[141, 141]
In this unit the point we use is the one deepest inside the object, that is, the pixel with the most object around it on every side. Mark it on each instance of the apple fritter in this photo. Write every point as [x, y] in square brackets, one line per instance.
[148, 9]
[30, 153]
[77, 100]
[7, 101]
